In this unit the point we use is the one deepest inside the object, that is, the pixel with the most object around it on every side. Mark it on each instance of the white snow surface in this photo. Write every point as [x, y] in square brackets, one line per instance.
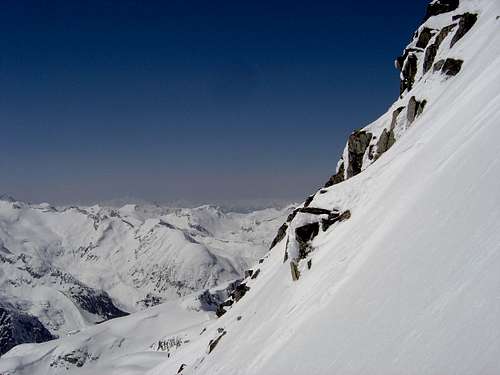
[138, 255]
[410, 284]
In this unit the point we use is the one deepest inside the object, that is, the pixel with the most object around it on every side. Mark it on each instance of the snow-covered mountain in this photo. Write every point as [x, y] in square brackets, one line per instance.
[71, 267]
[391, 268]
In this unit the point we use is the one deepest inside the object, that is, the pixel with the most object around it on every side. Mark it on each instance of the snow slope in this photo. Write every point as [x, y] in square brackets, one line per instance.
[393, 266]
[409, 283]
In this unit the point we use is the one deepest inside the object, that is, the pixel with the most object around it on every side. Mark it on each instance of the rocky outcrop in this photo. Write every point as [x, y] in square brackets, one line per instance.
[333, 218]
[414, 109]
[408, 72]
[440, 6]
[279, 236]
[95, 302]
[449, 67]
[431, 51]
[303, 235]
[424, 37]
[294, 270]
[234, 292]
[19, 328]
[465, 23]
[213, 343]
[356, 146]
[337, 177]
[385, 141]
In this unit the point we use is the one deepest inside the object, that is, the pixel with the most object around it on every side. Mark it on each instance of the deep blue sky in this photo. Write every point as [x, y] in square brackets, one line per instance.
[205, 101]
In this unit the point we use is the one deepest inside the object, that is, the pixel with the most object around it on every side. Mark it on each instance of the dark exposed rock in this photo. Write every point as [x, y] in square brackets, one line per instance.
[149, 300]
[451, 67]
[465, 23]
[395, 115]
[213, 343]
[221, 310]
[371, 151]
[408, 72]
[357, 144]
[385, 142]
[18, 328]
[414, 109]
[431, 51]
[308, 200]
[438, 65]
[255, 274]
[248, 273]
[279, 236]
[309, 264]
[303, 235]
[337, 177]
[439, 7]
[291, 216]
[181, 368]
[332, 219]
[421, 107]
[294, 269]
[239, 292]
[429, 56]
[314, 211]
[95, 302]
[75, 358]
[424, 37]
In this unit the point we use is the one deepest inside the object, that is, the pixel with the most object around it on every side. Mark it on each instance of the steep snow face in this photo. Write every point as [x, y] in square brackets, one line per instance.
[407, 282]
[76, 266]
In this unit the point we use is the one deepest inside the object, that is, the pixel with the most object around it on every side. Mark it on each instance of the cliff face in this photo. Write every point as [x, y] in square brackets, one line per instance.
[430, 56]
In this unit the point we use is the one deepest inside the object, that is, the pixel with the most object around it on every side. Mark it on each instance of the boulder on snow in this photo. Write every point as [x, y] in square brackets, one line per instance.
[213, 343]
[181, 368]
[294, 269]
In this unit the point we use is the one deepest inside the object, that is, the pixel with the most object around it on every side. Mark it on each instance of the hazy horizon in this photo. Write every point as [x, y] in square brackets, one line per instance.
[189, 101]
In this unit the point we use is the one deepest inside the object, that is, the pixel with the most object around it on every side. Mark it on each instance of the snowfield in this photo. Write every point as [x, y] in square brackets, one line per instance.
[392, 268]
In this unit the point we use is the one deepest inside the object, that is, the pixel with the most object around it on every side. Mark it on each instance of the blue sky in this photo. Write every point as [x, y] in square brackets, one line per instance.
[201, 101]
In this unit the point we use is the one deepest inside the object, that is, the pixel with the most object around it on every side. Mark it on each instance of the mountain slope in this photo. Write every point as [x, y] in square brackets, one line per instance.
[393, 266]
[409, 283]
[71, 267]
